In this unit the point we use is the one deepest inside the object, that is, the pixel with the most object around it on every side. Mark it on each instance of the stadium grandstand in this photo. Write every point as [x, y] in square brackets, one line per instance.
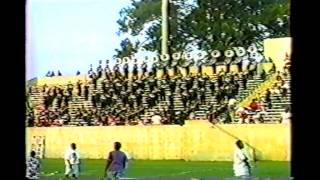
[105, 97]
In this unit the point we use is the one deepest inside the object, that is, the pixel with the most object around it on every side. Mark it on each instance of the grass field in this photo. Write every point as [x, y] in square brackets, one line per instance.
[93, 169]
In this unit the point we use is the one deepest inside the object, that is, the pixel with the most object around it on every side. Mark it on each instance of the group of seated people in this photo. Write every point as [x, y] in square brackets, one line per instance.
[122, 99]
[258, 107]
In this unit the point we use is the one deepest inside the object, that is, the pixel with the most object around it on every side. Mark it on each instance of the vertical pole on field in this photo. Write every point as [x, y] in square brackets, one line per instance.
[164, 34]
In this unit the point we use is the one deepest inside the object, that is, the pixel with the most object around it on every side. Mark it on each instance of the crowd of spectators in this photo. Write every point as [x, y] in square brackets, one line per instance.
[258, 107]
[122, 98]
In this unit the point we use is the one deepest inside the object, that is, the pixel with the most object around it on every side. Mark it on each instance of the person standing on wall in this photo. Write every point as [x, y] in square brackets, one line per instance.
[72, 162]
[116, 163]
[241, 166]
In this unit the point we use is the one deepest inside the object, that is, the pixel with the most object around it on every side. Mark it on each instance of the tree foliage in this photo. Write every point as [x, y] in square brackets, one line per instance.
[204, 24]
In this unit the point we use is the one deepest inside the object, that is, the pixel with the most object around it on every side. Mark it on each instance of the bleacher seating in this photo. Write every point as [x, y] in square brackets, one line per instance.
[272, 115]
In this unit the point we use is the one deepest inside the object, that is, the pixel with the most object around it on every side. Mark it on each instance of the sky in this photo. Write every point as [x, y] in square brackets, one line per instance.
[69, 35]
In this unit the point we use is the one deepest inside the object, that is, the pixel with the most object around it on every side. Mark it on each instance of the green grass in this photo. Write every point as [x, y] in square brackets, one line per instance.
[169, 168]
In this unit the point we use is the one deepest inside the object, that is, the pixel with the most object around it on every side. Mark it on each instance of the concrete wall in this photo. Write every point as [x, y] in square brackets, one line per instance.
[276, 49]
[189, 142]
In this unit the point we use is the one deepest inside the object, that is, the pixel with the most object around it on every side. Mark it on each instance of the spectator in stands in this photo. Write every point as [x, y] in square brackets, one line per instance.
[202, 96]
[286, 116]
[135, 69]
[263, 74]
[99, 70]
[126, 70]
[254, 106]
[86, 92]
[31, 119]
[154, 69]
[284, 89]
[48, 74]
[242, 114]
[144, 67]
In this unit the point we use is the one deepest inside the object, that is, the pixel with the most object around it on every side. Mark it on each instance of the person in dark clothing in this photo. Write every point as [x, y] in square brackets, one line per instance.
[98, 99]
[94, 81]
[79, 88]
[244, 80]
[78, 73]
[183, 116]
[86, 92]
[150, 101]
[134, 87]
[199, 67]
[228, 65]
[52, 74]
[70, 88]
[273, 68]
[99, 70]
[171, 100]
[220, 81]
[154, 69]
[172, 85]
[239, 65]
[219, 96]
[66, 100]
[141, 83]
[93, 101]
[126, 70]
[212, 87]
[59, 73]
[125, 85]
[184, 97]
[214, 68]
[144, 67]
[90, 72]
[162, 92]
[131, 102]
[139, 99]
[48, 74]
[135, 69]
[103, 101]
[263, 74]
[59, 100]
[103, 87]
[116, 70]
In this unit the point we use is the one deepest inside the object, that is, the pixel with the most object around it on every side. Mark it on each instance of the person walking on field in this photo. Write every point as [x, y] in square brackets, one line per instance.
[72, 162]
[33, 167]
[116, 163]
[241, 166]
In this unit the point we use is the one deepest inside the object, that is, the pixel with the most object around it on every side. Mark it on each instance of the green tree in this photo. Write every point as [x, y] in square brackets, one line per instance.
[205, 24]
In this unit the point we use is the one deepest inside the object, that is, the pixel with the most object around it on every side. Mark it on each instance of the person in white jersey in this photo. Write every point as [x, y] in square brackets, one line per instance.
[241, 166]
[72, 162]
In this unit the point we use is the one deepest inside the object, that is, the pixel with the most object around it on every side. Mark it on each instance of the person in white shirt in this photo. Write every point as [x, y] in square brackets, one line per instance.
[156, 119]
[232, 102]
[72, 162]
[241, 166]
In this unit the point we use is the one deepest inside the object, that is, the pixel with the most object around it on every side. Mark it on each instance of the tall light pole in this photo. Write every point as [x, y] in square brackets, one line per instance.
[164, 34]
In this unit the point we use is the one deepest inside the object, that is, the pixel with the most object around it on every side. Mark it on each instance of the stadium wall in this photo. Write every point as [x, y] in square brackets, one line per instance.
[189, 142]
[276, 49]
[61, 80]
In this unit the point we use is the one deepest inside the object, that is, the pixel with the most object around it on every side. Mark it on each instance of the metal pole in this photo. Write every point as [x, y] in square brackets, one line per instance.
[164, 35]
